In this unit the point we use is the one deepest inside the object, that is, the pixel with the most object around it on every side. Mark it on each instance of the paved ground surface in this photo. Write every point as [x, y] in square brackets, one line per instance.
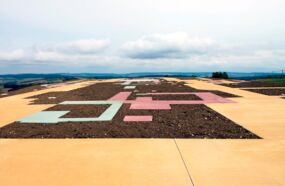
[151, 161]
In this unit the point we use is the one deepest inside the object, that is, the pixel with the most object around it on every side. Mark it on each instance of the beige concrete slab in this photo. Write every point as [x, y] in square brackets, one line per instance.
[217, 80]
[154, 161]
[91, 162]
[234, 162]
[15, 108]
[264, 117]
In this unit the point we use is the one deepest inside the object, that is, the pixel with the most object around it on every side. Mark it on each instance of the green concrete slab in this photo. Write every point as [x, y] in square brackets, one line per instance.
[54, 116]
[44, 117]
[129, 87]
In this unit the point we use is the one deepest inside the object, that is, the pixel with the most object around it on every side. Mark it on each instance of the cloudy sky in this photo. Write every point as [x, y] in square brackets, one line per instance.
[43, 36]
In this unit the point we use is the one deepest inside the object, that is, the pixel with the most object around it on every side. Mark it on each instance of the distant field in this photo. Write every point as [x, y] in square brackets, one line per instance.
[275, 80]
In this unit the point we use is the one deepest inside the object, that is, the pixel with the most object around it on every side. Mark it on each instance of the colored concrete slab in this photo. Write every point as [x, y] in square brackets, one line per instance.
[129, 87]
[144, 99]
[121, 96]
[138, 118]
[141, 94]
[207, 97]
[108, 102]
[150, 106]
[74, 162]
[44, 117]
[126, 83]
[54, 116]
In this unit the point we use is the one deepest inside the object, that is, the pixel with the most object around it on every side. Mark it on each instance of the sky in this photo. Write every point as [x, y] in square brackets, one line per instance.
[122, 36]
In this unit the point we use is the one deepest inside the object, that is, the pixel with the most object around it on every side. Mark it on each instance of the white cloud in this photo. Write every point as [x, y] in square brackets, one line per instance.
[160, 52]
[78, 52]
[18, 54]
[73, 51]
[87, 46]
[172, 45]
[75, 59]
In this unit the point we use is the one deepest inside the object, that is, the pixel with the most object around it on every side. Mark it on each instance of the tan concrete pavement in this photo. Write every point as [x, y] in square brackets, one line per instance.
[157, 161]
[235, 162]
[91, 162]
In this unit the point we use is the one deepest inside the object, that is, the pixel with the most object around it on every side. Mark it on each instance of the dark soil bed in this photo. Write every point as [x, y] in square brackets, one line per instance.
[252, 84]
[82, 111]
[176, 97]
[99, 91]
[165, 86]
[182, 121]
[269, 92]
[103, 91]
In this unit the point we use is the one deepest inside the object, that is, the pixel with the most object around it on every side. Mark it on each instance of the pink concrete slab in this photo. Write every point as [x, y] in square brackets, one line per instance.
[170, 93]
[150, 106]
[146, 103]
[181, 102]
[144, 99]
[138, 118]
[210, 97]
[121, 96]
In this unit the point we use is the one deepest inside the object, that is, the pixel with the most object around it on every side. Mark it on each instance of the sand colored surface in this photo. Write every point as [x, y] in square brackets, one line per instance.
[217, 80]
[154, 161]
[234, 162]
[91, 162]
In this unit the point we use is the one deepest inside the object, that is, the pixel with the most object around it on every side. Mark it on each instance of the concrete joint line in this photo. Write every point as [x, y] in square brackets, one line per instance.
[188, 172]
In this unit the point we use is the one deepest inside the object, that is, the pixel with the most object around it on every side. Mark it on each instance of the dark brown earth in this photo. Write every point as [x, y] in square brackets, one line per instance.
[182, 121]
[252, 84]
[99, 91]
[103, 91]
[80, 110]
[174, 97]
[269, 92]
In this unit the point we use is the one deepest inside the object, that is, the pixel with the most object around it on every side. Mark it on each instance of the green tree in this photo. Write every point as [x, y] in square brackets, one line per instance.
[220, 75]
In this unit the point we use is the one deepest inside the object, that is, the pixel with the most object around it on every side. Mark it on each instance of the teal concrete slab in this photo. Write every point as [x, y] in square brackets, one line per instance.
[44, 117]
[126, 83]
[141, 94]
[129, 87]
[105, 116]
[55, 116]
[108, 102]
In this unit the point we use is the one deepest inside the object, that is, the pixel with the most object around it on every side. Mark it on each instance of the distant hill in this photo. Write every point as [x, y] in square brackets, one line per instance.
[18, 81]
[237, 75]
